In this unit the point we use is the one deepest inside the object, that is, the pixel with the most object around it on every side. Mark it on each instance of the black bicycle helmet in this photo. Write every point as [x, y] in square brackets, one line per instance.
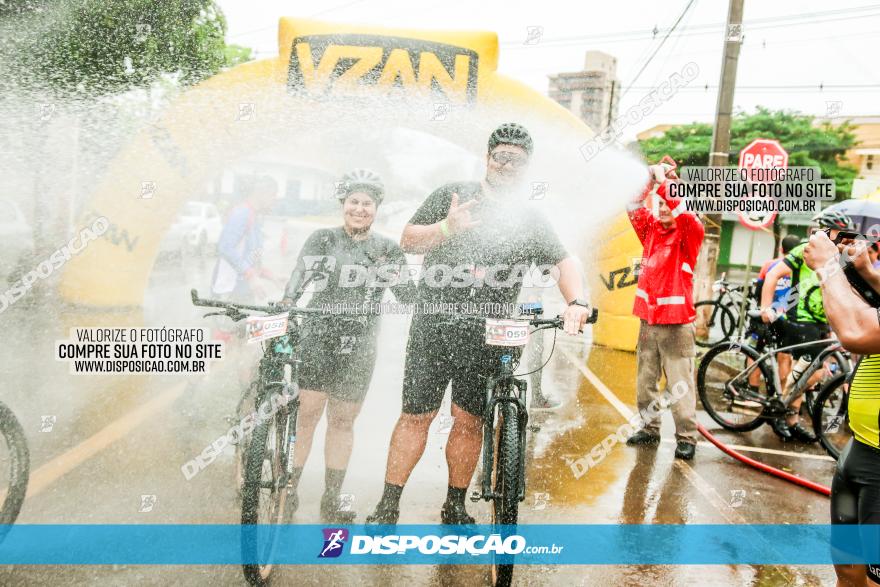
[511, 133]
[834, 219]
[361, 180]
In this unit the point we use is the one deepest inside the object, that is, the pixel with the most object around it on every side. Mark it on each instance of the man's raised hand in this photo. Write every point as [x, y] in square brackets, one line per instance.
[459, 216]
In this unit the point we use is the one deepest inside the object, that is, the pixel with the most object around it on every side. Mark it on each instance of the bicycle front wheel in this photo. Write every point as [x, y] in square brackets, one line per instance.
[505, 508]
[14, 450]
[720, 323]
[263, 496]
[729, 399]
[830, 421]
[246, 405]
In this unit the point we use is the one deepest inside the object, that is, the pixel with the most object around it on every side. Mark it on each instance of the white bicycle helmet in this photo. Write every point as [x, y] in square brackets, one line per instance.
[358, 180]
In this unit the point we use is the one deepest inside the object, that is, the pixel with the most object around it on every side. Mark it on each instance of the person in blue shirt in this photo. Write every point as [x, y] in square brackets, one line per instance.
[240, 248]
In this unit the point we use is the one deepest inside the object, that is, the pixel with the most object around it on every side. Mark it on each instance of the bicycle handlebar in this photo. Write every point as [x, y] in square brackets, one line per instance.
[555, 322]
[269, 309]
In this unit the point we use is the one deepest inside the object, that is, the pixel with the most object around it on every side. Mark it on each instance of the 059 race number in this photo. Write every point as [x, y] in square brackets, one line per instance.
[501, 332]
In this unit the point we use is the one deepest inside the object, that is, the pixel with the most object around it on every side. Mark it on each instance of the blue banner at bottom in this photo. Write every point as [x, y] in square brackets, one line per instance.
[435, 544]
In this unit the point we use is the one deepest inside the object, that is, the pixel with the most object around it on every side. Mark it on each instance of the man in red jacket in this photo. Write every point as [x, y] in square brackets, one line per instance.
[671, 238]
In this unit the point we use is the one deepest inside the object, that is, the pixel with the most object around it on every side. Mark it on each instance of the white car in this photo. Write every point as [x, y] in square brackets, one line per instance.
[16, 237]
[196, 230]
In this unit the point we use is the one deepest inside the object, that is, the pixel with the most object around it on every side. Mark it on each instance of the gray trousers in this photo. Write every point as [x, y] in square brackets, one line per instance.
[670, 348]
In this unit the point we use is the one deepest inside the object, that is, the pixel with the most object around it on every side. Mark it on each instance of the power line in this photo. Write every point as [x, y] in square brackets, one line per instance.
[662, 41]
[820, 86]
[709, 28]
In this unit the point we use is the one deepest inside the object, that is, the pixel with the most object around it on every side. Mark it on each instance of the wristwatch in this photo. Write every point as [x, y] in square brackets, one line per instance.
[579, 302]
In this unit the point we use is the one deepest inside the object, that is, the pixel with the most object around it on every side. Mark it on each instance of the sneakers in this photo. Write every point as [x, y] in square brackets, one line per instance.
[781, 429]
[643, 437]
[383, 516]
[331, 513]
[685, 450]
[453, 513]
[542, 402]
[801, 433]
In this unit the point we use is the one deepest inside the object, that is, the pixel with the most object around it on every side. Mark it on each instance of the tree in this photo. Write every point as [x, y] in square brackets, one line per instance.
[81, 55]
[88, 48]
[808, 144]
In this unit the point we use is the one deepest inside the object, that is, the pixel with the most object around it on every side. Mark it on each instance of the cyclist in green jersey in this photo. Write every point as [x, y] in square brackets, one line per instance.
[855, 490]
[805, 321]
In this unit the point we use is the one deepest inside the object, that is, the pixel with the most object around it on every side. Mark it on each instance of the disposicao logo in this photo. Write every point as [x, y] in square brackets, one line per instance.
[334, 540]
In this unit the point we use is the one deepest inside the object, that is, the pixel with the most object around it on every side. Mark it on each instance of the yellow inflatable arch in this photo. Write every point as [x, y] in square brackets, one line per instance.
[328, 75]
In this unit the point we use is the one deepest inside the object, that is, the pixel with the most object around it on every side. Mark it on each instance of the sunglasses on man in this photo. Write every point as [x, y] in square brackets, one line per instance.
[505, 157]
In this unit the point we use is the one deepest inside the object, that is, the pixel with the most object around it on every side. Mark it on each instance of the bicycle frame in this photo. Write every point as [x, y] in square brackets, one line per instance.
[800, 385]
[271, 375]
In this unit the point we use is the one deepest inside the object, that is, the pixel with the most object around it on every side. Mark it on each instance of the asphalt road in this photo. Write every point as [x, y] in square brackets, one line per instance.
[99, 444]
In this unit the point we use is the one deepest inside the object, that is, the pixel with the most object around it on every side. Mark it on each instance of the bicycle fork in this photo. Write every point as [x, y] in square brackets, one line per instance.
[493, 400]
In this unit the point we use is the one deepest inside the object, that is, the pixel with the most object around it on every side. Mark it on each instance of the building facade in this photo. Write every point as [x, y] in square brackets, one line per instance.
[591, 94]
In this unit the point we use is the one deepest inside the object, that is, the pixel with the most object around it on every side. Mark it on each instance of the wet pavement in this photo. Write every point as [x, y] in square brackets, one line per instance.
[114, 440]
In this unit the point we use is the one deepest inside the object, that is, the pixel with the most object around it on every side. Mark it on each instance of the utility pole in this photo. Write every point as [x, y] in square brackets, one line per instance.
[705, 270]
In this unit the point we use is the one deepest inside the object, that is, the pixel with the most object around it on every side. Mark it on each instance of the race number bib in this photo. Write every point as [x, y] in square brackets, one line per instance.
[500, 332]
[265, 327]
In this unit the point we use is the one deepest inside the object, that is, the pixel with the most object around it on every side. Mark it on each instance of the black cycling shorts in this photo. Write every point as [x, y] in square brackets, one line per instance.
[443, 350]
[337, 358]
[793, 332]
[855, 492]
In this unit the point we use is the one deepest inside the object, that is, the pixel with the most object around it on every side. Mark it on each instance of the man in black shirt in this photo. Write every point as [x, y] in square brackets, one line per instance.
[479, 238]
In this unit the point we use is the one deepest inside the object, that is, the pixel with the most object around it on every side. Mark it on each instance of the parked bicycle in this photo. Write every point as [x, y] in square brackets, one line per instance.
[740, 402]
[505, 421]
[16, 460]
[723, 311]
[265, 458]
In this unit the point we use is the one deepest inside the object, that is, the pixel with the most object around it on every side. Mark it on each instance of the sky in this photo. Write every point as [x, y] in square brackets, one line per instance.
[789, 49]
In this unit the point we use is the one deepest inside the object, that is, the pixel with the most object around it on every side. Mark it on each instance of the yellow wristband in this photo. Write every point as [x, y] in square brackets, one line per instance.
[444, 228]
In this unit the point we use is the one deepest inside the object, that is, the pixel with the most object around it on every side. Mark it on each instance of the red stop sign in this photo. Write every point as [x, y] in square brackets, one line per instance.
[761, 154]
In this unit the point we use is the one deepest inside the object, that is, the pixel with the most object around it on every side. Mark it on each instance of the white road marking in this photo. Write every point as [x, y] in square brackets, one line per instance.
[769, 451]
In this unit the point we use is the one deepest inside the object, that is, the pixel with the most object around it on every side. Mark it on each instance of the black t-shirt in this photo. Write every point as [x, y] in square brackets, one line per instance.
[341, 270]
[493, 256]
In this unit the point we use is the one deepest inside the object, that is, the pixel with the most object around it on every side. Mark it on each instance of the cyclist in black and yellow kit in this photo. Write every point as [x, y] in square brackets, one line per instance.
[855, 490]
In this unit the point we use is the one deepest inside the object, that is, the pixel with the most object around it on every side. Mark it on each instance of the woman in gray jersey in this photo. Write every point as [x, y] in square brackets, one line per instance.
[348, 269]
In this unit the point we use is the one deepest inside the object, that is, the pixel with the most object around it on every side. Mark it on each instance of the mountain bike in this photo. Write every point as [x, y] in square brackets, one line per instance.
[505, 420]
[14, 451]
[723, 311]
[738, 402]
[270, 405]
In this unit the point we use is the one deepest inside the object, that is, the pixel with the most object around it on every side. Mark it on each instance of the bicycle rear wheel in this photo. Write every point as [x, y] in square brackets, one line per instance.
[720, 323]
[505, 506]
[732, 403]
[264, 495]
[830, 421]
[13, 448]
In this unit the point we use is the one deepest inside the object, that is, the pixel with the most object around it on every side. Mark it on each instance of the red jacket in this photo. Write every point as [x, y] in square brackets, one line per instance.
[665, 292]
